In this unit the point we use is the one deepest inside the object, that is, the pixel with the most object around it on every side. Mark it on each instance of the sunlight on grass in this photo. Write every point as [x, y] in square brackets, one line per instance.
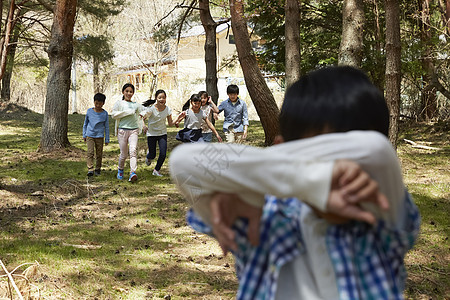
[141, 247]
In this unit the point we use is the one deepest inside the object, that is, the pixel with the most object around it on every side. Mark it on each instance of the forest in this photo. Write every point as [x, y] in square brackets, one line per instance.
[403, 48]
[64, 236]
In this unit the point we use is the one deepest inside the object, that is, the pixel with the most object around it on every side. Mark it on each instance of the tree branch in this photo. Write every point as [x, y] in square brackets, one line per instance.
[186, 14]
[46, 5]
[437, 84]
[189, 7]
[167, 15]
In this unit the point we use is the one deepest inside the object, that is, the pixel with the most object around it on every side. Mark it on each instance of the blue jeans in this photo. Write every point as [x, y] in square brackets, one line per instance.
[207, 136]
[162, 143]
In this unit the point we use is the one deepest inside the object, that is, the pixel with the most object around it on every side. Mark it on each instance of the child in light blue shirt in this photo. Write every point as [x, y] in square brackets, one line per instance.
[95, 131]
[235, 111]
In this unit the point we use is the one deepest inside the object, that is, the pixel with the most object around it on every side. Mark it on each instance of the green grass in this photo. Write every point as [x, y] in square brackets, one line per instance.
[427, 176]
[145, 250]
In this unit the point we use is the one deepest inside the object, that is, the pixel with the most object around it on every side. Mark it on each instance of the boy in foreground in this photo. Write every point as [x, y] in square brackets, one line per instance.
[302, 221]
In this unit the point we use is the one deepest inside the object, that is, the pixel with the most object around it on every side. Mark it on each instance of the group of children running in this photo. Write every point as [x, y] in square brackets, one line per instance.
[130, 117]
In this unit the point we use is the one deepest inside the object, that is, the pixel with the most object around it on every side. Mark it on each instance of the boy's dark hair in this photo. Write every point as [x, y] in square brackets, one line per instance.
[100, 97]
[332, 99]
[233, 89]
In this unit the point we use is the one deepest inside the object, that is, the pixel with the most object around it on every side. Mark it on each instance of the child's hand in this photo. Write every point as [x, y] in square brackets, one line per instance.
[350, 186]
[216, 116]
[219, 138]
[225, 208]
[144, 129]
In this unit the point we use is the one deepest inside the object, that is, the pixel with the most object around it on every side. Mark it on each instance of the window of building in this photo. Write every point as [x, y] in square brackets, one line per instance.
[138, 81]
[231, 39]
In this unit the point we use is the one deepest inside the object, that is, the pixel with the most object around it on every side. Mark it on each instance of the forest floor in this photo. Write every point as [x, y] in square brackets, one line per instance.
[76, 238]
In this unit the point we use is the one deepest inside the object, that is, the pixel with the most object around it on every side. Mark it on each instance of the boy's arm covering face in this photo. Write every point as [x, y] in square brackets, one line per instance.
[301, 169]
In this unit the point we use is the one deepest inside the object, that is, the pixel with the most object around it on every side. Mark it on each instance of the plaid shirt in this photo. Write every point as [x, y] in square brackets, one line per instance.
[367, 260]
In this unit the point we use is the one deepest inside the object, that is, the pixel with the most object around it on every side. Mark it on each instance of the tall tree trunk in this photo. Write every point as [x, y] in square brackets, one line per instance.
[428, 104]
[5, 45]
[260, 93]
[1, 14]
[351, 47]
[6, 80]
[292, 38]
[445, 14]
[60, 50]
[96, 80]
[378, 77]
[210, 49]
[393, 67]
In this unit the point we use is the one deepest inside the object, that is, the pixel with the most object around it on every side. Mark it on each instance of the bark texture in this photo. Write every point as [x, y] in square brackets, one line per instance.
[210, 27]
[292, 36]
[428, 103]
[393, 66]
[11, 20]
[351, 47]
[6, 80]
[60, 50]
[260, 93]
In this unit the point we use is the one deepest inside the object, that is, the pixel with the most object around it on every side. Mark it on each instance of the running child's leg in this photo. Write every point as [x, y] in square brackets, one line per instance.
[151, 143]
[162, 143]
[90, 154]
[122, 138]
[132, 145]
[98, 153]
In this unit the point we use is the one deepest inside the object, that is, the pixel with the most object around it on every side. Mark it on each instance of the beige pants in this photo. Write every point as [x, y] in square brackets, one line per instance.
[94, 145]
[234, 137]
[128, 140]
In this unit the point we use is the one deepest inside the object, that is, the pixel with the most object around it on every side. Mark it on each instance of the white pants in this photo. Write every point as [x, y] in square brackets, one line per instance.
[128, 139]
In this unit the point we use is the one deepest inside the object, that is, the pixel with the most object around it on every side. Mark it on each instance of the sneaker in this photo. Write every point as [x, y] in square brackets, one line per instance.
[156, 173]
[133, 177]
[90, 174]
[148, 162]
[120, 174]
[97, 172]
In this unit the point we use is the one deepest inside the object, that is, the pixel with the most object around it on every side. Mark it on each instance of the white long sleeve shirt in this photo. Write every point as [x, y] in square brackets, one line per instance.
[300, 169]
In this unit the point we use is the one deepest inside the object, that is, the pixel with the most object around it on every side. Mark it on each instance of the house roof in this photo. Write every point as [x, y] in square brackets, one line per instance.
[199, 30]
